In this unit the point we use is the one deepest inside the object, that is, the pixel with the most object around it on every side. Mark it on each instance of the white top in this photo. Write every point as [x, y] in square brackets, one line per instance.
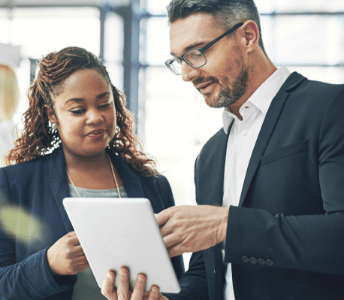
[241, 141]
[86, 287]
[6, 139]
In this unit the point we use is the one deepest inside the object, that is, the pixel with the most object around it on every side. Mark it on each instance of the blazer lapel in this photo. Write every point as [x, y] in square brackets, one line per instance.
[58, 183]
[210, 185]
[267, 129]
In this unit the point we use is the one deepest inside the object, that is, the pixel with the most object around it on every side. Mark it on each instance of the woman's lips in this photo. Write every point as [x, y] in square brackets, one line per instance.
[96, 134]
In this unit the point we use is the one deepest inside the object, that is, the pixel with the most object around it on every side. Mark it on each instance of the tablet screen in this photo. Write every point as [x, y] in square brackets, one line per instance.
[122, 231]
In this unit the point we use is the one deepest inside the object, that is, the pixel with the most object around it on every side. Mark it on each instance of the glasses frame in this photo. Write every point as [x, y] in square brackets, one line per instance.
[182, 58]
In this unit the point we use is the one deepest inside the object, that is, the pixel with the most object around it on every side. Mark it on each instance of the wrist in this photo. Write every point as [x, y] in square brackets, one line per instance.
[222, 233]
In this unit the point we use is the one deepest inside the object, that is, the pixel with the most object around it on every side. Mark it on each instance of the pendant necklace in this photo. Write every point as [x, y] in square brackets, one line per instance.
[113, 174]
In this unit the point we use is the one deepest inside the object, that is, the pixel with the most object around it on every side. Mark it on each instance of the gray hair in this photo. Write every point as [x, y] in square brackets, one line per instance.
[227, 12]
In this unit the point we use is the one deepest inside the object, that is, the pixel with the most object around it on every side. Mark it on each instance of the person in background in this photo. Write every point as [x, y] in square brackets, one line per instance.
[78, 140]
[270, 183]
[9, 98]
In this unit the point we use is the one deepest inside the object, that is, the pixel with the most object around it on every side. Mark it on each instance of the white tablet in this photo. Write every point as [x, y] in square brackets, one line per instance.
[115, 232]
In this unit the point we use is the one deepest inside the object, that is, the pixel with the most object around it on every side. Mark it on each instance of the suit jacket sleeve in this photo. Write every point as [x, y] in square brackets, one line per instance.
[31, 278]
[312, 242]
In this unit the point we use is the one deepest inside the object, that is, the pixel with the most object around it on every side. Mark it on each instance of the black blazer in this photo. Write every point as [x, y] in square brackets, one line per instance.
[38, 187]
[285, 240]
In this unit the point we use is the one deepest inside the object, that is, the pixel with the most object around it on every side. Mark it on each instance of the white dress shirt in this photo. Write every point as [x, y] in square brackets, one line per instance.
[241, 141]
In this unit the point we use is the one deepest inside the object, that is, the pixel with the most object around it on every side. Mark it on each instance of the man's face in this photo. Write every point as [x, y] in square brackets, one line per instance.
[224, 78]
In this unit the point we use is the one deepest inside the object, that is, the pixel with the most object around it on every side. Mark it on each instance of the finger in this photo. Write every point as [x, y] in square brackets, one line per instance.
[154, 293]
[175, 251]
[71, 234]
[166, 229]
[108, 289]
[139, 287]
[78, 251]
[163, 216]
[83, 267]
[171, 240]
[74, 240]
[80, 260]
[123, 284]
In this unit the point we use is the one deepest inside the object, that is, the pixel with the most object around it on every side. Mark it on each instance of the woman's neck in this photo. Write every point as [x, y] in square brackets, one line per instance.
[86, 163]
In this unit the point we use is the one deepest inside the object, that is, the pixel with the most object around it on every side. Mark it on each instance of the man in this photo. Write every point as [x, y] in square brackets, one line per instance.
[270, 183]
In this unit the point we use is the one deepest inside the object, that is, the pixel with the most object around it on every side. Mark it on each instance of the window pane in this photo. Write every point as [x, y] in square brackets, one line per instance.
[329, 74]
[157, 7]
[42, 30]
[307, 40]
[177, 124]
[313, 6]
[157, 41]
[116, 74]
[114, 38]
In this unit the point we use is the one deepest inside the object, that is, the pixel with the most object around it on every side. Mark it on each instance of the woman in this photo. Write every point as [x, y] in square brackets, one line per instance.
[9, 98]
[79, 141]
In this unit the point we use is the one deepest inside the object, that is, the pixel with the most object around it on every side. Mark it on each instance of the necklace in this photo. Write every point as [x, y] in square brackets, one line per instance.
[113, 174]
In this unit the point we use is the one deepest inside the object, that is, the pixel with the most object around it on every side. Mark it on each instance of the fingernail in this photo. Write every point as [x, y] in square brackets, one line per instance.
[110, 274]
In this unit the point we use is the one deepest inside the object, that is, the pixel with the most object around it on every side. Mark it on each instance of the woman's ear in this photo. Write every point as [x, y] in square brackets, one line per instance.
[50, 114]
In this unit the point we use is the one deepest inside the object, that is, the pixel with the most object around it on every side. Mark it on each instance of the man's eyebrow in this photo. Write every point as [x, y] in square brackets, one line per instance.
[196, 45]
[82, 99]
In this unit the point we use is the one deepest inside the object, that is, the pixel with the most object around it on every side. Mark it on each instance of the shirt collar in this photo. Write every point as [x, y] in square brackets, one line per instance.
[263, 96]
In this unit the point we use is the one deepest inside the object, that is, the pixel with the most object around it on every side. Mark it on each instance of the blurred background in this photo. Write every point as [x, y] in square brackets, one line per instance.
[132, 37]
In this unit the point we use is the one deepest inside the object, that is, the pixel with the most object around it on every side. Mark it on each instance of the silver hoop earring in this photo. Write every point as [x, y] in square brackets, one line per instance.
[53, 126]
[117, 130]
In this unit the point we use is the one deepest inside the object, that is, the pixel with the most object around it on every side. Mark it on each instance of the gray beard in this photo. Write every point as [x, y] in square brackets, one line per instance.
[229, 96]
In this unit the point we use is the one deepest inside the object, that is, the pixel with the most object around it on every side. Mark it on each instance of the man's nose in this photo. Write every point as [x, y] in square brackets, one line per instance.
[188, 72]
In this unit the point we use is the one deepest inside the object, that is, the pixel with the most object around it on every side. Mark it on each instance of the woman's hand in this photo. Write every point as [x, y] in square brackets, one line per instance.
[66, 256]
[123, 292]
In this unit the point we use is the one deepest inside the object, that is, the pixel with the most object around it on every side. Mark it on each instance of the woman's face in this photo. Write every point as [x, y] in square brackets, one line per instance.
[85, 114]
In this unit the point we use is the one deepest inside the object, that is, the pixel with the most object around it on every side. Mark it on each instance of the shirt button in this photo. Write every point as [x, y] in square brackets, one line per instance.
[253, 260]
[245, 259]
[269, 262]
[245, 133]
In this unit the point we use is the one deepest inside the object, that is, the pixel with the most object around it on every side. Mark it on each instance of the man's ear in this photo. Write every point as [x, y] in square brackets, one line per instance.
[50, 114]
[250, 33]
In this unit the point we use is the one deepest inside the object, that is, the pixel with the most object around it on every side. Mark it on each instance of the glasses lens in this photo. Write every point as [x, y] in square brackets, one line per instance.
[174, 66]
[195, 58]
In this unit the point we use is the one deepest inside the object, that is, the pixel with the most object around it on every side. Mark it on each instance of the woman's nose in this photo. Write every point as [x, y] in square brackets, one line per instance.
[94, 117]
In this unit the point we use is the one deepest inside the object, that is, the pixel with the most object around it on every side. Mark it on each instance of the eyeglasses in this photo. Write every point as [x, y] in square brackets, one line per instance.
[196, 57]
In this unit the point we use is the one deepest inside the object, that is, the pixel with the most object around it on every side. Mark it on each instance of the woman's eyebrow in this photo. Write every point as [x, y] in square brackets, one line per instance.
[82, 99]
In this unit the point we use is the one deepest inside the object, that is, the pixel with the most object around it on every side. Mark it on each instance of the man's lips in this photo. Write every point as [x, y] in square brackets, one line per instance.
[203, 85]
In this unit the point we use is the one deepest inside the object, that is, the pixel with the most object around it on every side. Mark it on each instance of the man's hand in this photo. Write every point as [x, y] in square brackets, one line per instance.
[192, 228]
[123, 291]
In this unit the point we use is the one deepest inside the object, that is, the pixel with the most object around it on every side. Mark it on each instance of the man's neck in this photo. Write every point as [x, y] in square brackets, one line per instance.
[258, 75]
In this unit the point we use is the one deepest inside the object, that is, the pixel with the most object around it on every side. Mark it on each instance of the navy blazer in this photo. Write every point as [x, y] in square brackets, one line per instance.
[38, 187]
[285, 240]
